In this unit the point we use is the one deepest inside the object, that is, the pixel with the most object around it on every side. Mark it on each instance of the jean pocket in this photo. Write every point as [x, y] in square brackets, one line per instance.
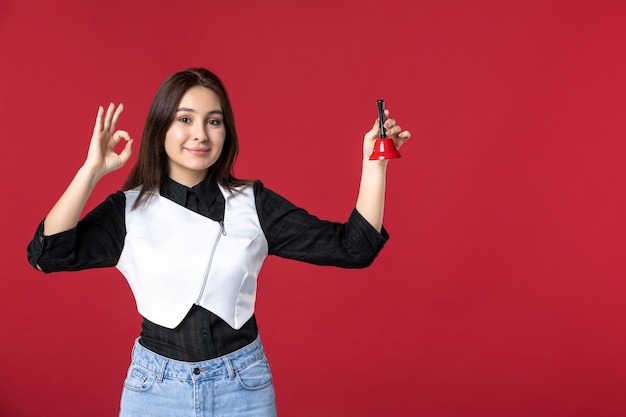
[139, 379]
[255, 376]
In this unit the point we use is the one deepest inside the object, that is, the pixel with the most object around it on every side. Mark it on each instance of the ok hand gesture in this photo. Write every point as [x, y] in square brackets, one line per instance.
[101, 157]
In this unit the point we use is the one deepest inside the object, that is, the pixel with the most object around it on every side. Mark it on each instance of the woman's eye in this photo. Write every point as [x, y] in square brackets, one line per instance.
[184, 119]
[214, 122]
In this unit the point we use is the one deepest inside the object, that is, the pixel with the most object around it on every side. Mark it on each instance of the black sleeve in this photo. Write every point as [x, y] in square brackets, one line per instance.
[95, 242]
[293, 233]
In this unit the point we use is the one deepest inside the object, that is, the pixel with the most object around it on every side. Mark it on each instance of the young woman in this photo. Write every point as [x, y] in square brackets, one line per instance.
[190, 238]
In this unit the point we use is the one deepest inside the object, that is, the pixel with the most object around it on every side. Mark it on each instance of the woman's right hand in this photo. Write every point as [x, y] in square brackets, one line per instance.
[101, 157]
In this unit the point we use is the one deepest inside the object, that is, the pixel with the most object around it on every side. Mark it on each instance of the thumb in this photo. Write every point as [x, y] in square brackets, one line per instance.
[374, 132]
[126, 152]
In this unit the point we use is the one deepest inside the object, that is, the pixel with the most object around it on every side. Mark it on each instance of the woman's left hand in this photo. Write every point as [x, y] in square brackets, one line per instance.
[393, 130]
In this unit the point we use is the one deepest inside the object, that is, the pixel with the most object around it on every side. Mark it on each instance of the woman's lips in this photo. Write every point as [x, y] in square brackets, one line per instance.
[197, 151]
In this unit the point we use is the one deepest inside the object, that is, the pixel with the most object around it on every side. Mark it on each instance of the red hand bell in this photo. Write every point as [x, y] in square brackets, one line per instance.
[384, 148]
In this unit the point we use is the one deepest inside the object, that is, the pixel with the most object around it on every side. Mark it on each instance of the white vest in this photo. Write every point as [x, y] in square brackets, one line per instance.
[174, 258]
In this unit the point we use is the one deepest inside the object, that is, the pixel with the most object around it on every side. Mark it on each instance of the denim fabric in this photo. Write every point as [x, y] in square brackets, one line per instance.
[238, 384]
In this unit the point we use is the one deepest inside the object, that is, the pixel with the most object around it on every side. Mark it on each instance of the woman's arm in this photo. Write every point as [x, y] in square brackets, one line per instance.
[293, 233]
[101, 159]
[371, 199]
[96, 241]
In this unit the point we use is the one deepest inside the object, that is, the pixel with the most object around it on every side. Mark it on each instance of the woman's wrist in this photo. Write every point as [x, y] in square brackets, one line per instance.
[374, 166]
[90, 174]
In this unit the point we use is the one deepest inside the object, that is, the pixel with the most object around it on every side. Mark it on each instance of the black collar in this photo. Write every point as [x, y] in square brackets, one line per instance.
[211, 199]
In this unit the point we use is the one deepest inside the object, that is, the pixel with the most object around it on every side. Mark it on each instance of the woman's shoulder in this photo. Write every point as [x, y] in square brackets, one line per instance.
[113, 202]
[261, 191]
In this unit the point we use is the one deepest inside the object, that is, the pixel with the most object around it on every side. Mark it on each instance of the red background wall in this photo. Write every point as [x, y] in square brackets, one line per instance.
[501, 290]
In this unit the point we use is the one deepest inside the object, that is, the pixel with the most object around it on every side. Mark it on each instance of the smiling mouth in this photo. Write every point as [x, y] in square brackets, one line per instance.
[197, 151]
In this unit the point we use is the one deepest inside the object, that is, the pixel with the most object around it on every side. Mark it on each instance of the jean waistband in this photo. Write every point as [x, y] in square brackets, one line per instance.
[169, 368]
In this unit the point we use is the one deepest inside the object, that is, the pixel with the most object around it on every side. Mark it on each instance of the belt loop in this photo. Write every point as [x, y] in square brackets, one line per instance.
[229, 366]
[162, 370]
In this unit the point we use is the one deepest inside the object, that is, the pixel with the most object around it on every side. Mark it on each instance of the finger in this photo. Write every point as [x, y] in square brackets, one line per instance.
[126, 152]
[404, 135]
[116, 115]
[122, 133]
[374, 132]
[389, 123]
[117, 138]
[108, 117]
[394, 130]
[98, 125]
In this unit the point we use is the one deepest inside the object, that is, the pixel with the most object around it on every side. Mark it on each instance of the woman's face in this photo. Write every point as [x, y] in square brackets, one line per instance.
[195, 139]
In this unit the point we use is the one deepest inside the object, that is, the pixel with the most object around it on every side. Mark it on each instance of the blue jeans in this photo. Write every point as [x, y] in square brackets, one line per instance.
[238, 384]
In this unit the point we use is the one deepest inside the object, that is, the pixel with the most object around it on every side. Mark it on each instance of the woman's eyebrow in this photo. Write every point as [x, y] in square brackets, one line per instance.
[189, 109]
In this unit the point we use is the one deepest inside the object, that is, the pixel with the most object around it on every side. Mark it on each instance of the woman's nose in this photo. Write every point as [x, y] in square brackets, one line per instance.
[201, 134]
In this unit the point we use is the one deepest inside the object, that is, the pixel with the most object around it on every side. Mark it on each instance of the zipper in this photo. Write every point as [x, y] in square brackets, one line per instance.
[208, 268]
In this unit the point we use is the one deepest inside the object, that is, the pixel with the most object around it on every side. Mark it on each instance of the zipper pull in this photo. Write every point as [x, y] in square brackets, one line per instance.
[223, 228]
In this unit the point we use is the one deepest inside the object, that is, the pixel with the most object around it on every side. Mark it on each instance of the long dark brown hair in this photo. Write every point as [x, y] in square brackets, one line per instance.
[151, 170]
